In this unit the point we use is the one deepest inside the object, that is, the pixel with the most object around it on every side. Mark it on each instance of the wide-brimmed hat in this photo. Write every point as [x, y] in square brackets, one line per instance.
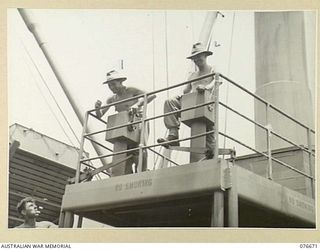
[114, 75]
[197, 49]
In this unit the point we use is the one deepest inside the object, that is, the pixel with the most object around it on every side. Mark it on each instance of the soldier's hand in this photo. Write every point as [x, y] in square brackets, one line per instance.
[201, 88]
[134, 109]
[98, 104]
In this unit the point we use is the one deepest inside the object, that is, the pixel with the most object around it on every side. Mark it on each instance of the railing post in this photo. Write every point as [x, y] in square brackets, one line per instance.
[269, 150]
[217, 213]
[233, 199]
[84, 129]
[216, 117]
[142, 135]
[311, 162]
[217, 210]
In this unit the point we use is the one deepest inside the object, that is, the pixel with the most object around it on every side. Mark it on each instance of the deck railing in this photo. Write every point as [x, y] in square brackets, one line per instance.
[268, 154]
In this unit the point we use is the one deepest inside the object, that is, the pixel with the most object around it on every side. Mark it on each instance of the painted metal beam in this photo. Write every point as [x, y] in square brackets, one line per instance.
[163, 184]
[217, 213]
[233, 200]
[273, 196]
[191, 180]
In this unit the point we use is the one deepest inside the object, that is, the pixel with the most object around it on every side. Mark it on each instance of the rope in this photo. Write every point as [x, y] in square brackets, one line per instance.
[227, 92]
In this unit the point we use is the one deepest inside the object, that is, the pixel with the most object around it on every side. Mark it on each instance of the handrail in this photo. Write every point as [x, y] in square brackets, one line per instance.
[263, 127]
[149, 147]
[168, 159]
[261, 153]
[104, 172]
[197, 136]
[98, 143]
[292, 143]
[98, 118]
[197, 79]
[245, 117]
[148, 119]
[265, 102]
[152, 92]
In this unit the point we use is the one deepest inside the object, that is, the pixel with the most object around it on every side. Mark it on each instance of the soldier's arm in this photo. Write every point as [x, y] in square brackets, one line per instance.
[187, 89]
[140, 101]
[211, 84]
[46, 224]
[150, 98]
[101, 112]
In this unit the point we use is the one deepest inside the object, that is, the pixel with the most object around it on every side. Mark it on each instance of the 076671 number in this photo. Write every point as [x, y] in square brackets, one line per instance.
[308, 246]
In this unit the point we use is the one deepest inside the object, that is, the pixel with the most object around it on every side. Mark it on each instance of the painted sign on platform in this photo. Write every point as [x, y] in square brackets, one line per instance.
[134, 184]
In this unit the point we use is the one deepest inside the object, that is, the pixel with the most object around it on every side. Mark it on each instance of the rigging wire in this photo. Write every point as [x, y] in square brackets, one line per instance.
[227, 91]
[167, 75]
[210, 39]
[43, 80]
[45, 99]
[191, 67]
[166, 46]
[153, 85]
[167, 61]
[51, 94]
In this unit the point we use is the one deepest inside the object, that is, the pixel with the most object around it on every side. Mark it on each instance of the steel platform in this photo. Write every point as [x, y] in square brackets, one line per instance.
[182, 196]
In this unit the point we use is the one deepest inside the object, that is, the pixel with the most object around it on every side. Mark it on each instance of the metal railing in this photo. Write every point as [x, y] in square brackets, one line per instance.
[269, 132]
[216, 132]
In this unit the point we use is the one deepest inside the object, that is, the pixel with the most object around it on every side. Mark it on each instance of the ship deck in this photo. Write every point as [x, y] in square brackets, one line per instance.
[182, 196]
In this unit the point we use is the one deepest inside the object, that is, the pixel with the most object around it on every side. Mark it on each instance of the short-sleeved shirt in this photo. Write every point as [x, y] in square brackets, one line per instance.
[203, 82]
[127, 93]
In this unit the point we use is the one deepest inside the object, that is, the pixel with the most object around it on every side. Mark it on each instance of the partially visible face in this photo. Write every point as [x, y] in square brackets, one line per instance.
[31, 210]
[115, 86]
[200, 59]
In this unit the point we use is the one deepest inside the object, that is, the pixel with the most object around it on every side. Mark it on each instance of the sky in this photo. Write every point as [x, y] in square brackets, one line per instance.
[153, 44]
[85, 44]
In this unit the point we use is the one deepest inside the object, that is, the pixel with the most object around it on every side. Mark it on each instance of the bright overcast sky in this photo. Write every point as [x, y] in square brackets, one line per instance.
[85, 44]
